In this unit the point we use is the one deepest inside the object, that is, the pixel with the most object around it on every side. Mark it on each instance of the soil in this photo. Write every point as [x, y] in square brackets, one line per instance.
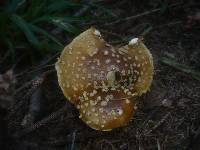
[168, 116]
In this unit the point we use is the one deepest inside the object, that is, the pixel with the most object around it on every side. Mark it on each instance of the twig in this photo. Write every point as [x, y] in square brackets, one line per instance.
[169, 24]
[139, 15]
[159, 123]
[5, 57]
[84, 9]
[41, 66]
[41, 123]
[73, 140]
[150, 115]
[124, 146]
[195, 139]
[37, 80]
[112, 34]
[37, 69]
[158, 144]
[187, 69]
[34, 81]
[19, 102]
[107, 142]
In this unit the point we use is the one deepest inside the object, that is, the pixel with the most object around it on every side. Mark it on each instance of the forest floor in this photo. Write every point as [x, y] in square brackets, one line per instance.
[168, 116]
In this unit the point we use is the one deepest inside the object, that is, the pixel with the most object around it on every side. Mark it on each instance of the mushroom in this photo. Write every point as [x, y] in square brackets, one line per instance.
[102, 81]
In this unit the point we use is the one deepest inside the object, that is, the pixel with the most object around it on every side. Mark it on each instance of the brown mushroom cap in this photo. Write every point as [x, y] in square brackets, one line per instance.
[103, 81]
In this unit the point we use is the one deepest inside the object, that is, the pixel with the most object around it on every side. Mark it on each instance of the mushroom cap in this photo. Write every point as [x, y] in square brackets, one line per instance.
[103, 81]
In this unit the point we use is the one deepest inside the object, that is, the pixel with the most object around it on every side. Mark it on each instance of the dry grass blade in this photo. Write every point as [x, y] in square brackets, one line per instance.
[158, 144]
[73, 140]
[41, 123]
[106, 142]
[158, 124]
[140, 15]
[187, 69]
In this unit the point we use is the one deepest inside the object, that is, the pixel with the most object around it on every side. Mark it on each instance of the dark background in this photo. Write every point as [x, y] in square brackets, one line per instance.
[35, 115]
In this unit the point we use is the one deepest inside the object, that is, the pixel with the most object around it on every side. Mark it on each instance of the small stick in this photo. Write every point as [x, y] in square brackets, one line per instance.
[84, 9]
[36, 81]
[150, 115]
[169, 24]
[158, 144]
[139, 15]
[111, 33]
[41, 123]
[107, 142]
[73, 140]
[39, 67]
[159, 123]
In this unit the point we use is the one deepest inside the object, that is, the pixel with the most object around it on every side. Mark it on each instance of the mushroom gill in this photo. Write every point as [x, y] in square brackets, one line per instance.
[103, 81]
